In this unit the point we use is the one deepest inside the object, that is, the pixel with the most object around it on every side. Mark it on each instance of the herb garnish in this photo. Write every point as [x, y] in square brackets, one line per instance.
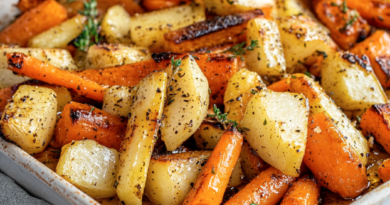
[240, 49]
[221, 118]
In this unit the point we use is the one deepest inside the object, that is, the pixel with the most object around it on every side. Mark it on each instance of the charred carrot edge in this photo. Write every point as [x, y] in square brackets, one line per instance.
[338, 20]
[5, 95]
[384, 171]
[80, 121]
[303, 191]
[211, 32]
[218, 69]
[377, 48]
[211, 184]
[334, 164]
[280, 86]
[36, 69]
[376, 121]
[266, 189]
[33, 22]
[25, 5]
[152, 5]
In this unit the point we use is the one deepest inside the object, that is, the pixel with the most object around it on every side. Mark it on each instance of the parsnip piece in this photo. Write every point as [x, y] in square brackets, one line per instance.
[118, 100]
[116, 25]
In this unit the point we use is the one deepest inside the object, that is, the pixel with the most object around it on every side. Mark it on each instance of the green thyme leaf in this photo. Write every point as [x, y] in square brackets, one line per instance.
[265, 122]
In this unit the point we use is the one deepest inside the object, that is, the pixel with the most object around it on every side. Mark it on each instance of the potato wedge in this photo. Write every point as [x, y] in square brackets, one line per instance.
[208, 135]
[351, 81]
[301, 38]
[103, 56]
[239, 90]
[251, 163]
[228, 7]
[118, 100]
[90, 167]
[188, 101]
[116, 25]
[267, 57]
[59, 36]
[147, 30]
[275, 125]
[171, 177]
[29, 118]
[137, 147]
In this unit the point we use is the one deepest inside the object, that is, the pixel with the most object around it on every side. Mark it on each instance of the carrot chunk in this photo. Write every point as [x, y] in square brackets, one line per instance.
[334, 164]
[266, 189]
[305, 191]
[34, 68]
[211, 184]
[384, 171]
[152, 5]
[80, 121]
[33, 22]
[5, 95]
[376, 12]
[25, 5]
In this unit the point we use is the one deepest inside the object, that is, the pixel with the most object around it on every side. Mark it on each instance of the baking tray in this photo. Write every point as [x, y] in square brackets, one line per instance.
[45, 184]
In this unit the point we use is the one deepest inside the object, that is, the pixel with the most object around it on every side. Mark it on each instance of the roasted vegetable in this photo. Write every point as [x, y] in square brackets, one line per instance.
[80, 121]
[33, 22]
[334, 164]
[214, 177]
[208, 135]
[345, 25]
[59, 36]
[5, 95]
[116, 25]
[304, 191]
[341, 71]
[147, 30]
[376, 121]
[266, 57]
[373, 11]
[384, 171]
[252, 165]
[90, 167]
[226, 7]
[29, 118]
[187, 102]
[25, 5]
[275, 125]
[118, 100]
[102, 56]
[151, 5]
[376, 47]
[137, 147]
[209, 33]
[267, 188]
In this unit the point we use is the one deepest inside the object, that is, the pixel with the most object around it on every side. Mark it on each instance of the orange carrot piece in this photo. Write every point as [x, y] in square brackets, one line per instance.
[376, 121]
[211, 184]
[384, 171]
[25, 5]
[334, 164]
[33, 22]
[280, 86]
[152, 5]
[5, 95]
[80, 121]
[209, 33]
[251, 164]
[345, 25]
[218, 69]
[305, 191]
[266, 189]
[377, 49]
[36, 69]
[374, 11]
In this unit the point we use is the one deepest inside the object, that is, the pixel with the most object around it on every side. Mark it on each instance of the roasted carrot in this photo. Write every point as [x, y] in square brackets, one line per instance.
[345, 25]
[251, 164]
[384, 171]
[80, 121]
[34, 68]
[131, 6]
[218, 68]
[334, 164]
[5, 95]
[376, 121]
[376, 12]
[266, 189]
[377, 49]
[280, 86]
[25, 5]
[209, 33]
[33, 22]
[151, 5]
[211, 184]
[305, 191]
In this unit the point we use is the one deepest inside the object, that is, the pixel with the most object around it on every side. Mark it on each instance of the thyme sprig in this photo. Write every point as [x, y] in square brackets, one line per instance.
[90, 34]
[240, 49]
[219, 117]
